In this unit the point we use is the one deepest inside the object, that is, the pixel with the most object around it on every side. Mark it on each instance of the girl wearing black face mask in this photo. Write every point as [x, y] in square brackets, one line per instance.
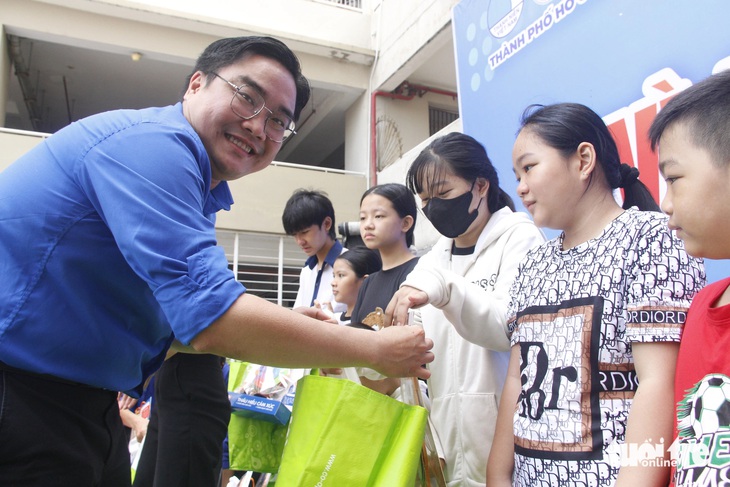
[461, 291]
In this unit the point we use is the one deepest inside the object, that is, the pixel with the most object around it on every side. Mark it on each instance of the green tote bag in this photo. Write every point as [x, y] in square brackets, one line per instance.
[252, 444]
[344, 434]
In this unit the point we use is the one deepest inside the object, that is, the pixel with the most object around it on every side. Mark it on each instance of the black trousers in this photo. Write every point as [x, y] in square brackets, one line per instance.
[188, 422]
[57, 434]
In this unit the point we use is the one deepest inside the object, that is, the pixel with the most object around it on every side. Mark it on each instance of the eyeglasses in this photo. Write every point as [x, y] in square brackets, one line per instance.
[247, 102]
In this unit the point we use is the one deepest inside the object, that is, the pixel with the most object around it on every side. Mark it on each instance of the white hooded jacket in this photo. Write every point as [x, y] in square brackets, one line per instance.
[466, 319]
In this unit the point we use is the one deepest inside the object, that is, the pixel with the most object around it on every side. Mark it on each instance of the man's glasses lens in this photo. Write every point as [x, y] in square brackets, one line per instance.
[247, 103]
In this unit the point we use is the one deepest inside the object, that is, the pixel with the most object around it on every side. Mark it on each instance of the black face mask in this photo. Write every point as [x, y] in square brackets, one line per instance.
[451, 217]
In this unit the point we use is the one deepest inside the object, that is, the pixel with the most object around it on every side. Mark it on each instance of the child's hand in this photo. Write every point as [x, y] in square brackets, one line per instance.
[325, 306]
[124, 401]
[327, 372]
[316, 313]
[405, 298]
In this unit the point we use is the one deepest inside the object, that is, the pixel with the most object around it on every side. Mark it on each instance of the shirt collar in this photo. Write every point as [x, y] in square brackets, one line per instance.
[219, 198]
[330, 258]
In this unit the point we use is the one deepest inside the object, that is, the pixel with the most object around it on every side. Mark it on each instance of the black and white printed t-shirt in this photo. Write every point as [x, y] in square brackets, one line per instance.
[574, 314]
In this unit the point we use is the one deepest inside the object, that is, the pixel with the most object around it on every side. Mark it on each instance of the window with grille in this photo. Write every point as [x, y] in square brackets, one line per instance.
[439, 118]
[268, 265]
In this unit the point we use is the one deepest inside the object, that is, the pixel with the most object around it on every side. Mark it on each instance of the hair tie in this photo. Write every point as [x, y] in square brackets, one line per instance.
[629, 174]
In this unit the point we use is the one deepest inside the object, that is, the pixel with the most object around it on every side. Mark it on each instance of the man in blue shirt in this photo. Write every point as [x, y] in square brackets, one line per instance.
[108, 251]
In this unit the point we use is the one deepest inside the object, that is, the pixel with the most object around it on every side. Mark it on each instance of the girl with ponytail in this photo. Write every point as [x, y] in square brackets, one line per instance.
[595, 317]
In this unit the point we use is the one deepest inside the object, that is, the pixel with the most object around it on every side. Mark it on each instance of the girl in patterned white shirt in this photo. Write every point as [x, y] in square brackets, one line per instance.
[595, 317]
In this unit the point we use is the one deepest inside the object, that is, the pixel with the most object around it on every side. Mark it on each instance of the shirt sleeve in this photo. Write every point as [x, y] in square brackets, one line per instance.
[355, 317]
[517, 295]
[149, 183]
[478, 315]
[302, 290]
[664, 281]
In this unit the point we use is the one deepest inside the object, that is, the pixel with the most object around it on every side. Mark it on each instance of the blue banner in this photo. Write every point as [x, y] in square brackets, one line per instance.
[623, 58]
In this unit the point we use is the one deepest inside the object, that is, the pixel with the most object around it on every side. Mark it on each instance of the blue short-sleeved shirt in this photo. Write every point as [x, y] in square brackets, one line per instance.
[108, 248]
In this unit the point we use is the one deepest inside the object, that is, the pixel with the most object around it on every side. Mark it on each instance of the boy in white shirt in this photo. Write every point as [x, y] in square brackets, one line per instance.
[309, 217]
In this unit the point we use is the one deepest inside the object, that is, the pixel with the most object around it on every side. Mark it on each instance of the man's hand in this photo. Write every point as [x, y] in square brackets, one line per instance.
[401, 351]
[405, 298]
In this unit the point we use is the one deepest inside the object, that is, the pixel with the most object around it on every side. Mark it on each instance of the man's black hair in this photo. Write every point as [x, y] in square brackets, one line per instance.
[225, 52]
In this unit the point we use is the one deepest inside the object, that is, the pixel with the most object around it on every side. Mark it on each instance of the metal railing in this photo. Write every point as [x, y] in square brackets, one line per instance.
[268, 265]
[357, 4]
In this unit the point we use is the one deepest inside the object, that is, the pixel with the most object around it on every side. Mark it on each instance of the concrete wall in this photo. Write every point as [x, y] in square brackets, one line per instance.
[180, 37]
[259, 197]
[384, 43]
[312, 22]
[16, 143]
[407, 32]
[424, 235]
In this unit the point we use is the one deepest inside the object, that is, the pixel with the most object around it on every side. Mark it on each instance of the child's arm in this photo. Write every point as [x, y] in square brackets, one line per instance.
[652, 412]
[135, 422]
[501, 458]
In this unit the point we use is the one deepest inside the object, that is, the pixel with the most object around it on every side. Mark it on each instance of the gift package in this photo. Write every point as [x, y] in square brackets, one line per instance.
[264, 393]
[261, 402]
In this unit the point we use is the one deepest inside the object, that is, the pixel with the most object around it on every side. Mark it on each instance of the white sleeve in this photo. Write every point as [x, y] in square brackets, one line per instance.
[664, 278]
[477, 314]
[304, 289]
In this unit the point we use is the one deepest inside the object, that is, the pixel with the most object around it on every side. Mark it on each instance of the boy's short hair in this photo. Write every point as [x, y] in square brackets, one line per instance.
[306, 208]
[704, 109]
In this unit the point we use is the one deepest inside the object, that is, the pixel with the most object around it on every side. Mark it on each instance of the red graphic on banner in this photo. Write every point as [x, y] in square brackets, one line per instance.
[630, 126]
